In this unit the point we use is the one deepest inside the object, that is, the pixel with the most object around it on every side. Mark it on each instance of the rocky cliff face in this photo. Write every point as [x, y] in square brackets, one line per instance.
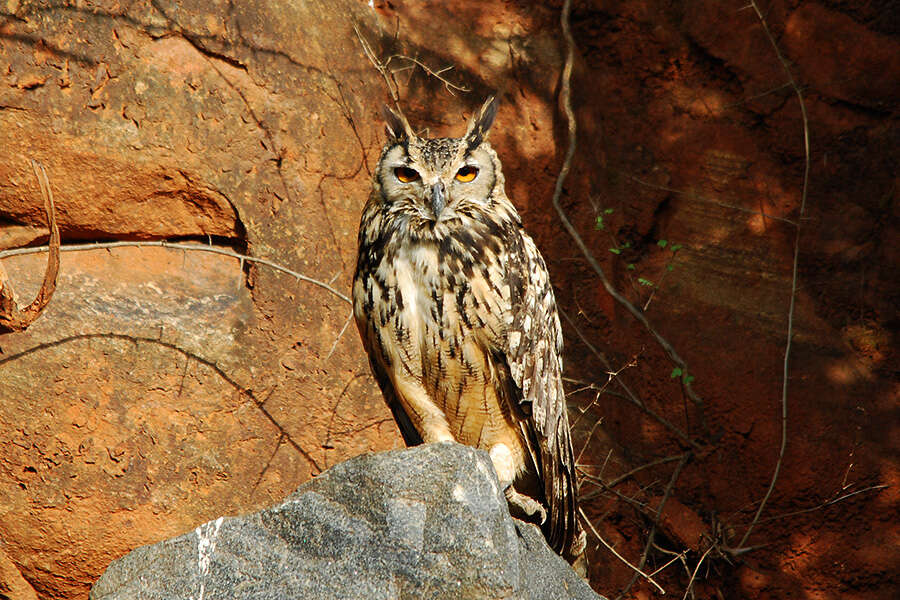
[162, 388]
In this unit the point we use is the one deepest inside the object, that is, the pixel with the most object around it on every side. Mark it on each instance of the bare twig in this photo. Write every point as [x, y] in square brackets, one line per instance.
[613, 550]
[676, 556]
[11, 318]
[389, 79]
[587, 441]
[449, 85]
[694, 574]
[180, 246]
[599, 483]
[658, 285]
[824, 504]
[388, 73]
[565, 95]
[340, 335]
[607, 486]
[659, 511]
[659, 461]
[629, 394]
[790, 332]
[610, 375]
[243, 391]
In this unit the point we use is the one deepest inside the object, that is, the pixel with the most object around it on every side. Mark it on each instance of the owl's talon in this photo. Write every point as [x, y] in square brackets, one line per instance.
[528, 505]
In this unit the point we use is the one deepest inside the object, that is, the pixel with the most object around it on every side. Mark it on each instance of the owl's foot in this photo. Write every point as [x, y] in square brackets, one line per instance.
[532, 509]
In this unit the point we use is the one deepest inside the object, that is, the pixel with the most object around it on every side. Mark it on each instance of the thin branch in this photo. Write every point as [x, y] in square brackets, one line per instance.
[824, 504]
[389, 80]
[243, 391]
[694, 574]
[659, 511]
[630, 395]
[340, 335]
[597, 481]
[179, 246]
[383, 66]
[676, 556]
[566, 97]
[587, 441]
[449, 85]
[659, 461]
[658, 285]
[609, 485]
[610, 375]
[790, 326]
[613, 550]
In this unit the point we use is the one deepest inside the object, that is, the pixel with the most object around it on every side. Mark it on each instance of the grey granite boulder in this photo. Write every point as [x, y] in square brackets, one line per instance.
[427, 522]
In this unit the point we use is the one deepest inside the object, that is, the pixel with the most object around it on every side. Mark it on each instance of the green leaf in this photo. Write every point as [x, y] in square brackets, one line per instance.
[608, 211]
[676, 372]
[627, 245]
[676, 247]
[646, 282]
[615, 251]
[662, 243]
[670, 268]
[630, 267]
[688, 379]
[600, 222]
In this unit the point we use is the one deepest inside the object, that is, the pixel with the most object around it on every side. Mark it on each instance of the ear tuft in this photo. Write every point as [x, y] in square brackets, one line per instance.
[481, 123]
[395, 125]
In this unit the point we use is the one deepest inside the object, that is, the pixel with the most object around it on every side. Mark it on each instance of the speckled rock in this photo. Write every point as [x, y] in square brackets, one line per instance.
[427, 522]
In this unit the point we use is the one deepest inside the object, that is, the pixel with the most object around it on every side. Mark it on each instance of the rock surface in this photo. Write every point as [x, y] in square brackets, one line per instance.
[428, 522]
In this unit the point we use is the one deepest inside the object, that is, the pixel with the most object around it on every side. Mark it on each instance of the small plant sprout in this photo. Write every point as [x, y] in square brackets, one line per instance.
[600, 224]
[669, 267]
[679, 372]
[618, 250]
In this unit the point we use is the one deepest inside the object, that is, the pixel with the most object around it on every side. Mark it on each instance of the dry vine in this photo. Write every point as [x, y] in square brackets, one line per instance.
[566, 99]
[787, 349]
[181, 246]
[383, 66]
[11, 317]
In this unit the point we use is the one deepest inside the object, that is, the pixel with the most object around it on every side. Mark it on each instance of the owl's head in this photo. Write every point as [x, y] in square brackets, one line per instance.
[440, 183]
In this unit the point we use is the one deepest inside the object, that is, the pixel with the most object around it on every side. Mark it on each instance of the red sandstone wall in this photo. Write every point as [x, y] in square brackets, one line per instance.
[164, 388]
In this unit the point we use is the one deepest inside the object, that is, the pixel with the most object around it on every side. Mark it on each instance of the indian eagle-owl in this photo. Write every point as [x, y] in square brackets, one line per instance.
[456, 311]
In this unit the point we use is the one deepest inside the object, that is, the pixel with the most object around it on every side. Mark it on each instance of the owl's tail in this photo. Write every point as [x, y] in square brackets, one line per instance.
[575, 553]
[563, 528]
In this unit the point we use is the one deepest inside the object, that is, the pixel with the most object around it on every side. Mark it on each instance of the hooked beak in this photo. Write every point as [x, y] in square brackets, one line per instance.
[438, 198]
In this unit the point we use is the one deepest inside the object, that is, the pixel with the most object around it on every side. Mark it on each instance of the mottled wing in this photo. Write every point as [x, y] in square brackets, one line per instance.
[410, 436]
[533, 354]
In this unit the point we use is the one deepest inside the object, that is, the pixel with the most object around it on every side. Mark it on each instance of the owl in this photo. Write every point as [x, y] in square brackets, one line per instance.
[457, 314]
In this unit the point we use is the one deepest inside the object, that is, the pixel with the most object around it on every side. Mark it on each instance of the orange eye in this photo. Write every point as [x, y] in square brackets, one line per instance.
[405, 174]
[467, 174]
